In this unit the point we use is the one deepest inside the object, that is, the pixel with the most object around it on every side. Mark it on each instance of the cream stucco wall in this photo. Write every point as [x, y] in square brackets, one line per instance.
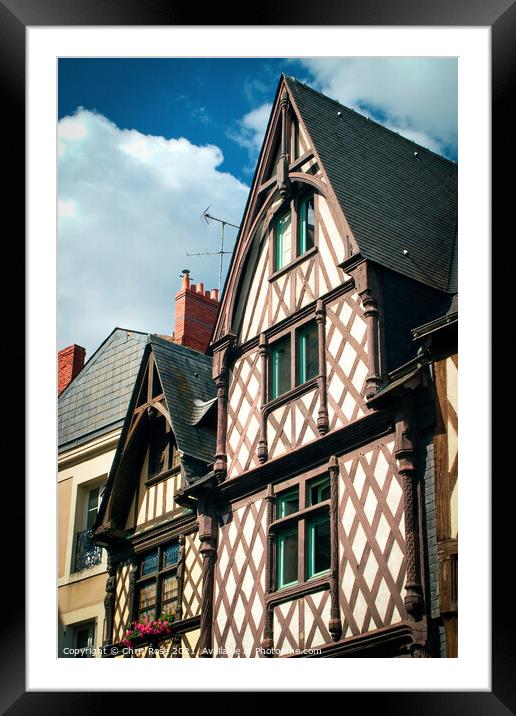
[80, 594]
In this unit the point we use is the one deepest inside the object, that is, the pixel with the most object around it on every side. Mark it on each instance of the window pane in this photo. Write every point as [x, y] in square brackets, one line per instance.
[318, 546]
[283, 252]
[171, 555]
[150, 563]
[306, 225]
[307, 353]
[147, 603]
[318, 491]
[287, 558]
[280, 367]
[288, 503]
[93, 503]
[169, 592]
[158, 446]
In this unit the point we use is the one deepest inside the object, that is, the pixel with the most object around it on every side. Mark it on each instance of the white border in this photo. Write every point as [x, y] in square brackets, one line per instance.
[472, 669]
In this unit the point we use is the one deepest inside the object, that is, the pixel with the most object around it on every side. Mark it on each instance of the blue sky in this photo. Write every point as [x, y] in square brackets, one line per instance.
[145, 145]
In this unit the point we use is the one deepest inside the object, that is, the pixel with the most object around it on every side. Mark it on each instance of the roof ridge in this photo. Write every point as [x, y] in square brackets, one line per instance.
[163, 342]
[371, 121]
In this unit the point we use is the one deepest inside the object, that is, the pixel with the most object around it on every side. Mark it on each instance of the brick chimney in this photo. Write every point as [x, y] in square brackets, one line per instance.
[69, 362]
[196, 313]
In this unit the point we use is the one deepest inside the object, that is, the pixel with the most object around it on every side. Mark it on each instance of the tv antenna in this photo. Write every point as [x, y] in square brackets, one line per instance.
[207, 218]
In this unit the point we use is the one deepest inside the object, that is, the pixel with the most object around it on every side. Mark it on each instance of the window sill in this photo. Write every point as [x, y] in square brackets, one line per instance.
[288, 594]
[298, 260]
[296, 392]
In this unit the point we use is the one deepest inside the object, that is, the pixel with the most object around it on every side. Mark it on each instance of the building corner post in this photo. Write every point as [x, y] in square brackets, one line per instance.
[322, 416]
[335, 625]
[263, 448]
[208, 550]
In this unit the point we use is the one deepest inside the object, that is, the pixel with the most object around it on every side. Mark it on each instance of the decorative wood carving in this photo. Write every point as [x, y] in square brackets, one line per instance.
[283, 181]
[133, 573]
[368, 290]
[405, 453]
[322, 416]
[335, 625]
[262, 444]
[208, 551]
[268, 637]
[109, 599]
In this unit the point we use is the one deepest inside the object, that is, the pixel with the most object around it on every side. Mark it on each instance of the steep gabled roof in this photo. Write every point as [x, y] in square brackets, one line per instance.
[186, 378]
[97, 398]
[396, 195]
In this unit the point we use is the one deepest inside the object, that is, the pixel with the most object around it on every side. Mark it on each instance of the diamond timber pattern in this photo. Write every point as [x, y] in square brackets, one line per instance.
[371, 540]
[192, 585]
[190, 644]
[256, 315]
[121, 616]
[302, 623]
[293, 424]
[240, 582]
[244, 415]
[346, 357]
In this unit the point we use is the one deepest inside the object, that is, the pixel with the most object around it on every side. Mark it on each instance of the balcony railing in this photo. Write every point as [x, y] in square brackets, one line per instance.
[87, 553]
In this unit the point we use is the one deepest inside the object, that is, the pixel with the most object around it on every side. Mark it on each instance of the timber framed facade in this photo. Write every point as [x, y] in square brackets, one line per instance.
[305, 482]
[320, 480]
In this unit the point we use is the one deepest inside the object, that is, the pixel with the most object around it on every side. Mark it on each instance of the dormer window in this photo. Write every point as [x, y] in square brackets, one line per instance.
[306, 225]
[294, 231]
[283, 242]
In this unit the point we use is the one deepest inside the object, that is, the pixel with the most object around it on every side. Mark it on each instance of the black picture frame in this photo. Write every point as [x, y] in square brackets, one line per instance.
[500, 16]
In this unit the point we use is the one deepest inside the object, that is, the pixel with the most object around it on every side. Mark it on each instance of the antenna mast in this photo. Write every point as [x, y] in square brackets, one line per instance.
[207, 218]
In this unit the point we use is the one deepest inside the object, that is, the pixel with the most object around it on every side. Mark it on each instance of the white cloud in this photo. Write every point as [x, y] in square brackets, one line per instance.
[416, 97]
[130, 208]
[250, 130]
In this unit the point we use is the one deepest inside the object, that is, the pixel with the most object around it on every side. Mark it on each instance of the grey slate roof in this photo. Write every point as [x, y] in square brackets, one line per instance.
[187, 382]
[392, 199]
[98, 397]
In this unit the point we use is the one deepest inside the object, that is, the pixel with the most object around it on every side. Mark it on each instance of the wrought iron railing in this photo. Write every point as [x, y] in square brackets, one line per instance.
[87, 553]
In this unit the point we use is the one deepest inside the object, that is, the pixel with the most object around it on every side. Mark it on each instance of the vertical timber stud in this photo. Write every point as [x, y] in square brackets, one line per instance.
[109, 599]
[405, 453]
[283, 180]
[176, 639]
[322, 416]
[220, 376]
[335, 626]
[367, 286]
[267, 641]
[208, 550]
[263, 449]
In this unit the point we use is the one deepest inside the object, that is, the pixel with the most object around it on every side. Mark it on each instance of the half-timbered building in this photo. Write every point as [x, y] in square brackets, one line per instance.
[313, 521]
[167, 442]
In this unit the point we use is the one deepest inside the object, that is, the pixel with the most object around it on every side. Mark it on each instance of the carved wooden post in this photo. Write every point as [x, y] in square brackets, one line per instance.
[268, 638]
[208, 551]
[133, 573]
[109, 599]
[282, 178]
[180, 575]
[368, 290]
[220, 466]
[335, 626]
[405, 453]
[263, 449]
[322, 416]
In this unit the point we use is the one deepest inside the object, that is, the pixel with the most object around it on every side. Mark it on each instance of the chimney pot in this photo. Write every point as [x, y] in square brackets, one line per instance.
[214, 295]
[200, 288]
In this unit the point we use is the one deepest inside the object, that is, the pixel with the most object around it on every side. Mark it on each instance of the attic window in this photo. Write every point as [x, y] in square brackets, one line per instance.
[160, 447]
[283, 240]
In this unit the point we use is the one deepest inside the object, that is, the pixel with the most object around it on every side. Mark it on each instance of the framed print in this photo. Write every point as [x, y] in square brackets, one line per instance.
[299, 545]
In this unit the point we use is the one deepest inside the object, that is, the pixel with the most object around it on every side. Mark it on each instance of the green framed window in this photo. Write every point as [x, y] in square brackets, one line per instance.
[280, 378]
[288, 503]
[287, 557]
[318, 546]
[318, 491]
[306, 225]
[283, 240]
[307, 353]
